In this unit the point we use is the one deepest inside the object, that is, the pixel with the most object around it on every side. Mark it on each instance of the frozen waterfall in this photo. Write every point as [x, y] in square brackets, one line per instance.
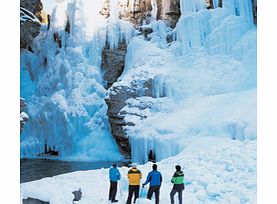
[198, 76]
[194, 71]
[63, 86]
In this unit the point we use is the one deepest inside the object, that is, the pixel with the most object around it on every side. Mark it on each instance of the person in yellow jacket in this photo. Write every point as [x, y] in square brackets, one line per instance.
[134, 176]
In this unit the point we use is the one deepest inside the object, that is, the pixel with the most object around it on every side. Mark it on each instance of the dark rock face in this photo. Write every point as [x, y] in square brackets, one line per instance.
[210, 4]
[116, 101]
[220, 3]
[113, 62]
[169, 11]
[140, 12]
[254, 8]
[34, 6]
[30, 29]
[136, 11]
[23, 119]
[34, 201]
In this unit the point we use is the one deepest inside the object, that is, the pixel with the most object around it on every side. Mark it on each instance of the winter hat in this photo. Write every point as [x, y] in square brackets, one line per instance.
[134, 165]
[154, 166]
[114, 165]
[178, 167]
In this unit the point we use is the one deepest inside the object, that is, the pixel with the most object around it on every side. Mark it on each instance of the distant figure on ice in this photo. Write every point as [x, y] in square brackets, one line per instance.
[134, 176]
[114, 175]
[155, 179]
[178, 184]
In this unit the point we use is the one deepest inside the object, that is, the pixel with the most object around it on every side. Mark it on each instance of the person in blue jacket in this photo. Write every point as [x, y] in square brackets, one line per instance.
[115, 176]
[155, 179]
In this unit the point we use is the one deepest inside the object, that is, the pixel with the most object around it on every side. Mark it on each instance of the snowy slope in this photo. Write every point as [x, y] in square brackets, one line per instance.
[224, 173]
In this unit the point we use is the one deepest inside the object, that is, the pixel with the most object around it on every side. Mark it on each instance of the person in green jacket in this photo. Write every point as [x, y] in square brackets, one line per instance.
[178, 184]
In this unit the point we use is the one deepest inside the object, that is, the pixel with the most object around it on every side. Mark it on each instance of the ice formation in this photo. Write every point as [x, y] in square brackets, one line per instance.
[62, 83]
[212, 62]
[209, 66]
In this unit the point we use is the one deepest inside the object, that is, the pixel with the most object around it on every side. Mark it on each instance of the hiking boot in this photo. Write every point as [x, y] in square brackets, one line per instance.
[114, 201]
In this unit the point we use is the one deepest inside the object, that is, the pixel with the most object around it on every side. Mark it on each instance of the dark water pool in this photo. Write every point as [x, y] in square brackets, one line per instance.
[34, 169]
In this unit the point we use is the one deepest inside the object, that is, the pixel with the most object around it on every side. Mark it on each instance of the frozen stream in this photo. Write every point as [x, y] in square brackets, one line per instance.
[34, 169]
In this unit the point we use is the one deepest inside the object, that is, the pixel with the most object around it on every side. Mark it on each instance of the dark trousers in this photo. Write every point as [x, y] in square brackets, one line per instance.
[133, 190]
[156, 190]
[113, 190]
[173, 192]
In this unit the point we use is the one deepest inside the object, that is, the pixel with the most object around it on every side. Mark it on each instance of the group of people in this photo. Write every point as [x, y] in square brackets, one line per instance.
[155, 179]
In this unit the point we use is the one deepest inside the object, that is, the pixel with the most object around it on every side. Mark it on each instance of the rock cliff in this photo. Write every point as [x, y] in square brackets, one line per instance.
[116, 100]
[113, 62]
[30, 18]
[254, 8]
[140, 12]
[23, 116]
[34, 6]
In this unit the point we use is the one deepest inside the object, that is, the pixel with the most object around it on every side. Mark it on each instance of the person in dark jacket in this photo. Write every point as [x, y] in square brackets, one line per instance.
[178, 184]
[155, 179]
[134, 176]
[114, 175]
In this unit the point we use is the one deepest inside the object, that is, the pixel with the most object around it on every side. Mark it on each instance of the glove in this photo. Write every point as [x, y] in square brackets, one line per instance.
[143, 185]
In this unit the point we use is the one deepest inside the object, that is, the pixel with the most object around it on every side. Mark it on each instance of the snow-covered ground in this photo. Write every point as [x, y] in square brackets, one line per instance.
[223, 172]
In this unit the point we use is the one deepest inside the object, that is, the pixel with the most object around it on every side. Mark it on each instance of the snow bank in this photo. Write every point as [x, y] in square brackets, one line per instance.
[223, 173]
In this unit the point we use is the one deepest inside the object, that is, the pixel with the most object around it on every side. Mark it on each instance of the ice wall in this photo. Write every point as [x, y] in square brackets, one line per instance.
[240, 8]
[191, 6]
[232, 116]
[218, 29]
[213, 58]
[62, 83]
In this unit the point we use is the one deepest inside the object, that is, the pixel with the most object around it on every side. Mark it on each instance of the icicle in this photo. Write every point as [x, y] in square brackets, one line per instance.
[241, 8]
[192, 30]
[191, 6]
[160, 28]
[161, 147]
[215, 3]
[154, 11]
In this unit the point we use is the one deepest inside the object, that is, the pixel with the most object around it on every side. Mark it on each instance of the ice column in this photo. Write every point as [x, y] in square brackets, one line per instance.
[190, 6]
[240, 8]
[215, 3]
[118, 30]
[192, 30]
[154, 8]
